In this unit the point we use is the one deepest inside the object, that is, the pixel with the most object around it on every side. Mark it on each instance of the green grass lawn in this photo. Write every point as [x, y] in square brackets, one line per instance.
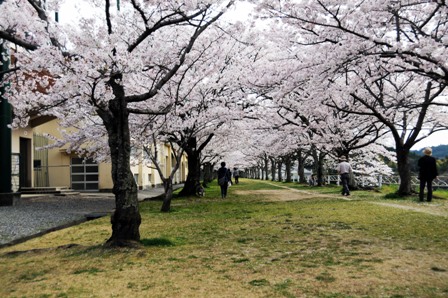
[267, 239]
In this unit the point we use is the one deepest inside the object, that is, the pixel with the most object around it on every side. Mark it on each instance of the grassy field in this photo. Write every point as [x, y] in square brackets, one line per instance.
[265, 240]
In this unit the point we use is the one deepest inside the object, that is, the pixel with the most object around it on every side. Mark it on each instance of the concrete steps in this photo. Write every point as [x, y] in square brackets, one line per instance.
[57, 191]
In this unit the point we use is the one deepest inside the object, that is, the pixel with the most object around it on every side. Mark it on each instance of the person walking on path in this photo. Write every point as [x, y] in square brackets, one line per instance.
[427, 173]
[312, 180]
[236, 175]
[223, 179]
[344, 170]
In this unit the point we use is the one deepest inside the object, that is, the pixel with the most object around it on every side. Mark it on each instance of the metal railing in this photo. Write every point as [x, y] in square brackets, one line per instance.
[380, 180]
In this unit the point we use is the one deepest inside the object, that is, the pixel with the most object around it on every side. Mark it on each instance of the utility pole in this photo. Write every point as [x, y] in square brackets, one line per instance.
[7, 197]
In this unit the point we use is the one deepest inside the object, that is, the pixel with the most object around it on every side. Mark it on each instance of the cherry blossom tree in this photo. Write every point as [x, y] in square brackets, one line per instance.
[206, 100]
[113, 67]
[153, 153]
[400, 35]
[406, 105]
[305, 124]
[193, 124]
[366, 45]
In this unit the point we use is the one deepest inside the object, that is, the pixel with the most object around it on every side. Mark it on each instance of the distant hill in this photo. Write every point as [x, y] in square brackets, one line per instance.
[439, 152]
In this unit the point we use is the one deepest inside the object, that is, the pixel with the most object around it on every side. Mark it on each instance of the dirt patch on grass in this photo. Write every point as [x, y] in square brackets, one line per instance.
[428, 208]
[284, 195]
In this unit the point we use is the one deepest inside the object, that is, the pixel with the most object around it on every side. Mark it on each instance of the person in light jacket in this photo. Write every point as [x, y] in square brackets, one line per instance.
[236, 175]
[344, 169]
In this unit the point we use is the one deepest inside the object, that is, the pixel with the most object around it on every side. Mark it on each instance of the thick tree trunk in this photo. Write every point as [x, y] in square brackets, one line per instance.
[319, 166]
[320, 171]
[404, 171]
[194, 164]
[168, 188]
[194, 174]
[126, 218]
[208, 174]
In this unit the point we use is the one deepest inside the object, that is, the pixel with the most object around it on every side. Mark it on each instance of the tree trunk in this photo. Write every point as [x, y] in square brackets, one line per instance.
[319, 166]
[320, 171]
[126, 218]
[262, 169]
[272, 169]
[194, 164]
[194, 174]
[279, 170]
[168, 188]
[404, 171]
[288, 169]
[301, 167]
[208, 174]
[266, 167]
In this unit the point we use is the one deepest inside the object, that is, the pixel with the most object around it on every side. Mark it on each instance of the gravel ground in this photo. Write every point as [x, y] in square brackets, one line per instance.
[38, 215]
[35, 216]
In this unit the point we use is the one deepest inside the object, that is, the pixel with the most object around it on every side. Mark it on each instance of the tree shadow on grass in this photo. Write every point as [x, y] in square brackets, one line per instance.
[74, 249]
[66, 247]
[397, 197]
[157, 242]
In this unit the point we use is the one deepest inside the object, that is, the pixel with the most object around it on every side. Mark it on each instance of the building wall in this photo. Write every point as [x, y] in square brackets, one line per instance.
[105, 182]
[20, 133]
[16, 137]
[59, 163]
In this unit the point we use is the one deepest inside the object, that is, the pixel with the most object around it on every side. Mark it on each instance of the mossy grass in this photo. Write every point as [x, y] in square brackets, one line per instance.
[267, 239]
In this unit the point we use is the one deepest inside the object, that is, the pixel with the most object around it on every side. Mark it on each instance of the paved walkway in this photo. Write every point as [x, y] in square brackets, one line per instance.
[37, 215]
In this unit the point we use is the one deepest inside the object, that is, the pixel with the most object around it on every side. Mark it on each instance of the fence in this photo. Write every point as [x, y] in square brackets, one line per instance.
[380, 180]
[52, 176]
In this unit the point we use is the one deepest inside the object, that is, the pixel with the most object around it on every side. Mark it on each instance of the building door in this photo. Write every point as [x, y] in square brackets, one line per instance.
[84, 174]
[25, 162]
[40, 161]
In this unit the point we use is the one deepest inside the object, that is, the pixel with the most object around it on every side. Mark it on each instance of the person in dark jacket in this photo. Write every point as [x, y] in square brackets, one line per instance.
[223, 179]
[229, 175]
[427, 173]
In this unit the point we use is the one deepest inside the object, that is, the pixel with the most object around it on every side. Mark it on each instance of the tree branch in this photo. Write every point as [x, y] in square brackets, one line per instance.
[199, 30]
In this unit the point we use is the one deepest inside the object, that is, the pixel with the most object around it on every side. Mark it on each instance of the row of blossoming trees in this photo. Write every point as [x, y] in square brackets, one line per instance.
[291, 81]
